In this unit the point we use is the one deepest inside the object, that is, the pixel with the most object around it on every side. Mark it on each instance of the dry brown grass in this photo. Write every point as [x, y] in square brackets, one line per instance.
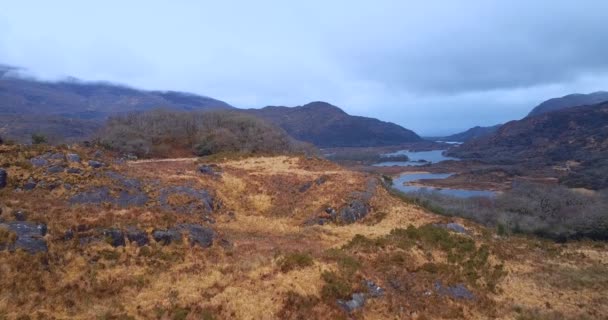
[262, 216]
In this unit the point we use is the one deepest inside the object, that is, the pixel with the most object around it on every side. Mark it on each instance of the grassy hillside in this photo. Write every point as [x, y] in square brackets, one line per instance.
[278, 237]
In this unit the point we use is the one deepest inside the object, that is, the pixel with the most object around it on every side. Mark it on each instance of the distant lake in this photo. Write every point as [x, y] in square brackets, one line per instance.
[417, 158]
[400, 183]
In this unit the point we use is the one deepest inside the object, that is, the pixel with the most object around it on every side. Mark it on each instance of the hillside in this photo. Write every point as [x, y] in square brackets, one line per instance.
[470, 134]
[67, 109]
[85, 236]
[574, 138]
[571, 100]
[325, 125]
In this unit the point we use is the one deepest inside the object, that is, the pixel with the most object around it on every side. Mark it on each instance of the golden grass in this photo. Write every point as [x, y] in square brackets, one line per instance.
[262, 216]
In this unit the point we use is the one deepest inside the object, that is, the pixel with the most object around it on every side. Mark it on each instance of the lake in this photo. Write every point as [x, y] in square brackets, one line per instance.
[400, 183]
[417, 158]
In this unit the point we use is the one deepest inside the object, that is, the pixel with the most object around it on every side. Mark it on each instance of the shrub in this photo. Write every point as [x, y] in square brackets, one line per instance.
[163, 133]
[336, 287]
[38, 138]
[296, 260]
[550, 211]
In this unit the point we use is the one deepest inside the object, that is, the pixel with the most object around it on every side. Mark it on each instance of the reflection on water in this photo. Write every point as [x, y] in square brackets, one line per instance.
[417, 158]
[400, 183]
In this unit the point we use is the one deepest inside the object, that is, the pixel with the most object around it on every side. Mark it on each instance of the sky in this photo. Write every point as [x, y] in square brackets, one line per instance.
[436, 67]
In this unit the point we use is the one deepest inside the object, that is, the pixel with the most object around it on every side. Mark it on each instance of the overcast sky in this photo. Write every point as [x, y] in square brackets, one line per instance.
[432, 66]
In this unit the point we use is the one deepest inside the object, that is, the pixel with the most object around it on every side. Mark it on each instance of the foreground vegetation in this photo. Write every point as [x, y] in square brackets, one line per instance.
[251, 251]
[164, 133]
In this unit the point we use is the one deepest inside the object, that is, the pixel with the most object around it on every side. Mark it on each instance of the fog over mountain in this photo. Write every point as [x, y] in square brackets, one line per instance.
[437, 68]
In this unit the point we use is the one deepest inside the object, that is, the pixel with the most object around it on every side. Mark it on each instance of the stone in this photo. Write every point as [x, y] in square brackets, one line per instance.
[357, 301]
[39, 162]
[74, 171]
[353, 211]
[67, 186]
[3, 178]
[455, 227]
[305, 187]
[458, 291]
[30, 184]
[131, 199]
[57, 156]
[19, 215]
[95, 195]
[115, 237]
[95, 164]
[373, 289]
[210, 169]
[55, 169]
[321, 180]
[68, 235]
[137, 236]
[30, 236]
[166, 237]
[72, 157]
[199, 235]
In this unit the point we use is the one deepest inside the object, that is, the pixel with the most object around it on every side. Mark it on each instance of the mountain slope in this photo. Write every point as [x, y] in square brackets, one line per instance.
[90, 100]
[470, 134]
[571, 100]
[67, 110]
[326, 125]
[575, 138]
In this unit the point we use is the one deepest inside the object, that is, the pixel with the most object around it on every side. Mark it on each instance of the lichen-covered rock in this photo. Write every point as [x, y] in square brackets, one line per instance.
[305, 186]
[358, 207]
[137, 236]
[19, 215]
[198, 235]
[373, 289]
[166, 237]
[458, 291]
[96, 195]
[55, 169]
[30, 236]
[131, 199]
[30, 184]
[357, 301]
[95, 164]
[39, 162]
[455, 227]
[72, 157]
[115, 237]
[74, 171]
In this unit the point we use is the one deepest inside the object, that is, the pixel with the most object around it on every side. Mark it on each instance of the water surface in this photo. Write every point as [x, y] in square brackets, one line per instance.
[417, 158]
[400, 183]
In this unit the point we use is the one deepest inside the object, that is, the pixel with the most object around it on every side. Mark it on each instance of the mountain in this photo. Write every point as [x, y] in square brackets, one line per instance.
[64, 109]
[93, 100]
[571, 100]
[574, 138]
[470, 134]
[326, 125]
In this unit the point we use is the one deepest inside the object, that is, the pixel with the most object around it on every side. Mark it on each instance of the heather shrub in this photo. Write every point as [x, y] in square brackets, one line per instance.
[164, 133]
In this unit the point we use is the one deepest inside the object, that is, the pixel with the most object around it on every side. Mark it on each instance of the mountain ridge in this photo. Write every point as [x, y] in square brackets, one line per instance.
[326, 125]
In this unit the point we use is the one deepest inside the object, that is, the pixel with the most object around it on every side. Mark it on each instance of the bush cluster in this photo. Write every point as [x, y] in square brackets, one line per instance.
[164, 133]
[551, 211]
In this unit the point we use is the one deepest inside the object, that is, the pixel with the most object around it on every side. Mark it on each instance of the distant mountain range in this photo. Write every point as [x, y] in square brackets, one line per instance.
[326, 125]
[554, 104]
[470, 134]
[574, 138]
[73, 110]
[569, 101]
